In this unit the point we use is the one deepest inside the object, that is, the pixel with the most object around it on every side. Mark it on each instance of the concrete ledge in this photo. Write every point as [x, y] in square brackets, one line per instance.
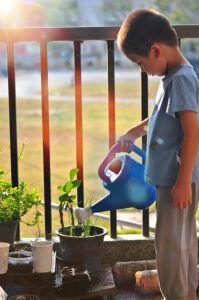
[131, 247]
[128, 248]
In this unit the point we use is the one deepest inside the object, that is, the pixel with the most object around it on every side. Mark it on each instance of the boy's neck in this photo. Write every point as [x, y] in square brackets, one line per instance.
[174, 58]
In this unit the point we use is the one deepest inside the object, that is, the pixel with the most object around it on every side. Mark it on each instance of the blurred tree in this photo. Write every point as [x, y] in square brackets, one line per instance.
[61, 13]
[113, 12]
[179, 11]
[163, 5]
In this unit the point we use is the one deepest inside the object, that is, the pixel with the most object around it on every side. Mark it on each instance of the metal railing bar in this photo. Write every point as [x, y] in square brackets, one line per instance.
[13, 119]
[144, 113]
[78, 119]
[111, 118]
[12, 114]
[78, 33]
[46, 139]
[187, 31]
[57, 34]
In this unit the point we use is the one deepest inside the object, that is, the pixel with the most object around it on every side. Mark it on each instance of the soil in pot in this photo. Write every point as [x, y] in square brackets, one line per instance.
[82, 251]
[82, 231]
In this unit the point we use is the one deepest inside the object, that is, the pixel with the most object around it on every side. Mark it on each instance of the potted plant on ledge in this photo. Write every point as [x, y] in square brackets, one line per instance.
[80, 244]
[15, 202]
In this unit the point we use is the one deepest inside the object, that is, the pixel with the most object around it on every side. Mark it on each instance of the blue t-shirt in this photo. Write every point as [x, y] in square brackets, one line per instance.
[178, 91]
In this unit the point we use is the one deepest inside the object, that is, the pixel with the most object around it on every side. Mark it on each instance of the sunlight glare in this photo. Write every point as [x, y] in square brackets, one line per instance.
[7, 6]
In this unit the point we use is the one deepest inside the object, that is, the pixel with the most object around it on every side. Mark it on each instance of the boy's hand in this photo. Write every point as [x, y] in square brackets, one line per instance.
[181, 194]
[126, 142]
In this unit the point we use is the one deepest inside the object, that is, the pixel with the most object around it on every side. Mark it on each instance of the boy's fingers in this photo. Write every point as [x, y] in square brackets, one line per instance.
[180, 204]
[125, 145]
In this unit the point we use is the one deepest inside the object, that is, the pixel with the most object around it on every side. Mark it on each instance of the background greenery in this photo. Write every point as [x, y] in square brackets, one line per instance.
[109, 12]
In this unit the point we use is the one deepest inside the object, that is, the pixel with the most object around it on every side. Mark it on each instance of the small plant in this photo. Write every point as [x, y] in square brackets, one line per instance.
[66, 199]
[73, 237]
[15, 202]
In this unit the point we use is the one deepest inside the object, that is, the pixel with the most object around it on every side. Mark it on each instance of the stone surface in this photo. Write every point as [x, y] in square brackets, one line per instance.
[128, 248]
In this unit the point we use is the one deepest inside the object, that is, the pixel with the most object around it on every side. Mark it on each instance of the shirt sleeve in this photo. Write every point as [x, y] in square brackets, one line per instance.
[183, 95]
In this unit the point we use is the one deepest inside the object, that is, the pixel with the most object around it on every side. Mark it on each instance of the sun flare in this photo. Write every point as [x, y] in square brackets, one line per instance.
[7, 6]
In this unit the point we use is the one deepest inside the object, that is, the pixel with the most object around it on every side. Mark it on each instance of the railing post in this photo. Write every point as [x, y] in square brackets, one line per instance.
[111, 117]
[78, 119]
[12, 119]
[46, 139]
[144, 97]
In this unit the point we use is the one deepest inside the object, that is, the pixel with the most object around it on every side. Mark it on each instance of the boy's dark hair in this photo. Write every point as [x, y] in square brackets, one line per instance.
[141, 28]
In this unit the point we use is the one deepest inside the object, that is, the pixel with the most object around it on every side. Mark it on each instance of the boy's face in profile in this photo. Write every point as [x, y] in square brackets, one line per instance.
[153, 64]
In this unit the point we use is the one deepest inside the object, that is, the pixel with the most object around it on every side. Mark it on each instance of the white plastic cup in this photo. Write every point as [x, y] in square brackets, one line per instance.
[4, 251]
[42, 256]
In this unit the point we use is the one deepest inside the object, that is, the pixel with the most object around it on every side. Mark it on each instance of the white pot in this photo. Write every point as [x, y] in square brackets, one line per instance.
[4, 250]
[42, 256]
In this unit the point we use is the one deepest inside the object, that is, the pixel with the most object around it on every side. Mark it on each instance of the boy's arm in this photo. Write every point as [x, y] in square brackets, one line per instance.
[181, 191]
[127, 139]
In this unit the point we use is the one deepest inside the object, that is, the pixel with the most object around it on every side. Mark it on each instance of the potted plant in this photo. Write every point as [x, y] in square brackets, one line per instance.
[15, 202]
[80, 244]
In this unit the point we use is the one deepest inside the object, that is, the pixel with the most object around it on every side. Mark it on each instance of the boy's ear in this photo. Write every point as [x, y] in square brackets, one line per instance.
[155, 49]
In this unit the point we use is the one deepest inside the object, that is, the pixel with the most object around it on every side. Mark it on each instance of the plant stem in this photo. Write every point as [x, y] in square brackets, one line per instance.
[61, 215]
[72, 215]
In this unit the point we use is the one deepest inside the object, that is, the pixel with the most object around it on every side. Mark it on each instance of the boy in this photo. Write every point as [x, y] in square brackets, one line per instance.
[172, 164]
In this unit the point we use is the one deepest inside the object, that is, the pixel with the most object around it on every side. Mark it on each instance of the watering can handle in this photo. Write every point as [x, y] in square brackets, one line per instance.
[111, 154]
[139, 152]
[115, 148]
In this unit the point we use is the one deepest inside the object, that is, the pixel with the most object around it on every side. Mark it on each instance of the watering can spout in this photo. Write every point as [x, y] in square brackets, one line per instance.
[83, 213]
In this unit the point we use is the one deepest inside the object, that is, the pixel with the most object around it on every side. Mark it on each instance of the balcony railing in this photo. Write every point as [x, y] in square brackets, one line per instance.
[43, 36]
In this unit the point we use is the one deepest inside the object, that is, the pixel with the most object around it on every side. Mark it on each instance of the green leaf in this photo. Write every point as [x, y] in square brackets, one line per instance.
[73, 173]
[70, 200]
[60, 188]
[76, 183]
[67, 187]
[63, 197]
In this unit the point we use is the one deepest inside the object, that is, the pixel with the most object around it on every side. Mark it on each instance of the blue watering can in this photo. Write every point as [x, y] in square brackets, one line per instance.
[123, 177]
